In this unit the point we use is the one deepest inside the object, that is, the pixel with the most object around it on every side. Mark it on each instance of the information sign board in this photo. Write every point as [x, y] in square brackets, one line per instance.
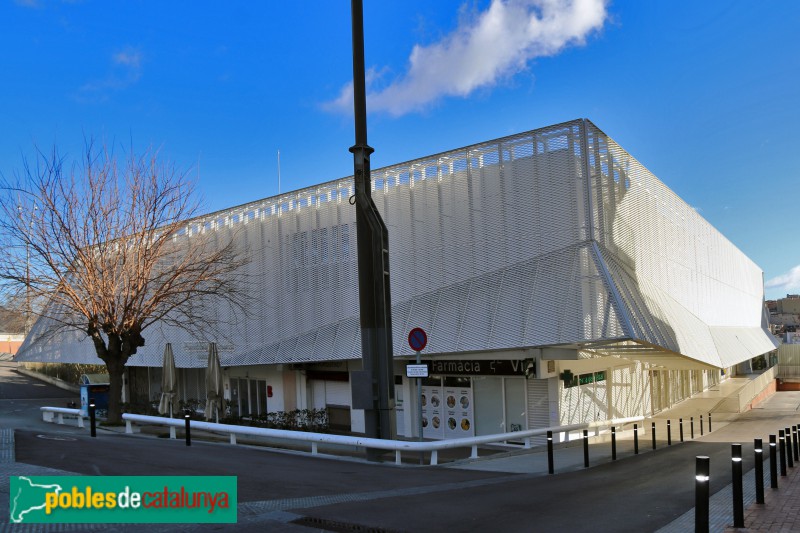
[417, 371]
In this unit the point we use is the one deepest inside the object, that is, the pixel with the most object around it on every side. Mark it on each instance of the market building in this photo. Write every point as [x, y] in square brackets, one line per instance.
[558, 281]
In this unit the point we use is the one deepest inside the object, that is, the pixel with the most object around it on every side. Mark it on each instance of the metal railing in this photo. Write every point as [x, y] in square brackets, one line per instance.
[398, 446]
[49, 413]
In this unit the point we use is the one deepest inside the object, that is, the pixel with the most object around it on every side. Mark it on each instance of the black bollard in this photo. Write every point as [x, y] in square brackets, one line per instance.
[187, 418]
[550, 468]
[789, 448]
[701, 494]
[691, 426]
[636, 439]
[773, 462]
[586, 448]
[669, 433]
[653, 432]
[680, 423]
[613, 443]
[758, 452]
[701, 425]
[92, 417]
[782, 451]
[709, 422]
[796, 445]
[736, 479]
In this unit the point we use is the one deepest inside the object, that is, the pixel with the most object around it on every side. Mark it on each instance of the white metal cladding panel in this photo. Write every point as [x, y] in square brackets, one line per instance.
[620, 384]
[570, 405]
[601, 399]
[536, 302]
[583, 403]
[667, 242]
[488, 250]
[485, 247]
[659, 319]
[587, 402]
[639, 391]
[647, 390]
[627, 390]
[737, 344]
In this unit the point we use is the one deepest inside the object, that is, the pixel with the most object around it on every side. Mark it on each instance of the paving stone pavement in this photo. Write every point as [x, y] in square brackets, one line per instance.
[781, 509]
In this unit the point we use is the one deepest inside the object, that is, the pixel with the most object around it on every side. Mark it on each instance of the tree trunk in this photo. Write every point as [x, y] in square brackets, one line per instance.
[115, 372]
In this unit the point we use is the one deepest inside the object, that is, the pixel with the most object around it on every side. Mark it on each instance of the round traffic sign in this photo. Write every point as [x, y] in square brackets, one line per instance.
[417, 339]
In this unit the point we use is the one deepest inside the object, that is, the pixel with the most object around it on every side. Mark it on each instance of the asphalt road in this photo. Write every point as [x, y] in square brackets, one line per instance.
[281, 491]
[635, 494]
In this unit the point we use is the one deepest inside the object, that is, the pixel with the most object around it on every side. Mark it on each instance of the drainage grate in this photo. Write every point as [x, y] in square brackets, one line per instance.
[339, 527]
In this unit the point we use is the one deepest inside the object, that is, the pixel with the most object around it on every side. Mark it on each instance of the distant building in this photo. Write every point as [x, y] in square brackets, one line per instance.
[786, 314]
[559, 282]
[789, 305]
[10, 343]
[772, 306]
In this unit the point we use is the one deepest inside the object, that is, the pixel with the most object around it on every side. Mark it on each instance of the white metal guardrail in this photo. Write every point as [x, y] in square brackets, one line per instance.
[49, 413]
[398, 446]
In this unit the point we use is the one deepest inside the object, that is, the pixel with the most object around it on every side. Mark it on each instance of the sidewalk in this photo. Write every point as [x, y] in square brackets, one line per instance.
[781, 508]
[781, 512]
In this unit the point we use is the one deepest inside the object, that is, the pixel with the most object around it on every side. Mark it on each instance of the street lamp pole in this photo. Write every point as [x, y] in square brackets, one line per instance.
[374, 386]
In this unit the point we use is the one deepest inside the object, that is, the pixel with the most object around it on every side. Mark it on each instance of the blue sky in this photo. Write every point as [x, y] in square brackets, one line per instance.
[704, 94]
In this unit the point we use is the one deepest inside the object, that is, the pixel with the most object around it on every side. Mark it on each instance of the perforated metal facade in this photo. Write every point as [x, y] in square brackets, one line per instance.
[556, 236]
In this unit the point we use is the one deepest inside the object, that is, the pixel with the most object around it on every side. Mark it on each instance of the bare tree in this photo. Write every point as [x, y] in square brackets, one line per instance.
[104, 247]
[12, 315]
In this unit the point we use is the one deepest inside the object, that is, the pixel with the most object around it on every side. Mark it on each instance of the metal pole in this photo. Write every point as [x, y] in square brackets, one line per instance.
[691, 426]
[419, 409]
[586, 448]
[613, 443]
[550, 467]
[92, 418]
[669, 433]
[701, 492]
[653, 432]
[376, 382]
[782, 451]
[187, 418]
[701, 425]
[773, 463]
[738, 493]
[636, 439]
[789, 447]
[758, 452]
[796, 445]
[680, 423]
[709, 422]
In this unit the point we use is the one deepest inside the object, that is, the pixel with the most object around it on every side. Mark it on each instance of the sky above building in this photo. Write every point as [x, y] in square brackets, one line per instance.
[704, 94]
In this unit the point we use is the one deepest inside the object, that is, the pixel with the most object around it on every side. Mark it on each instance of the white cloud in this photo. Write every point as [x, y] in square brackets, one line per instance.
[127, 69]
[789, 281]
[484, 49]
[129, 57]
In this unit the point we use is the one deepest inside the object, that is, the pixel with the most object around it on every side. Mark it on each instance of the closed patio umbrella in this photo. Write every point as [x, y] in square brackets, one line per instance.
[169, 382]
[213, 383]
